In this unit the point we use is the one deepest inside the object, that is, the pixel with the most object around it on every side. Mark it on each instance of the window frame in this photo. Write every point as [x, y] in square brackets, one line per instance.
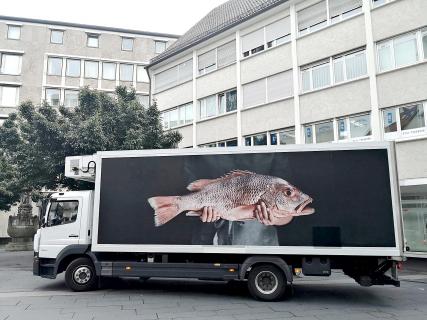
[59, 99]
[265, 46]
[85, 69]
[179, 79]
[120, 71]
[123, 41]
[181, 109]
[49, 225]
[199, 73]
[217, 105]
[144, 70]
[66, 68]
[62, 36]
[93, 36]
[65, 97]
[9, 26]
[408, 133]
[19, 67]
[115, 70]
[155, 46]
[219, 144]
[17, 88]
[62, 64]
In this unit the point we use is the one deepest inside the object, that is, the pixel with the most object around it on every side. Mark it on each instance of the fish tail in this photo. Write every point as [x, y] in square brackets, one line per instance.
[165, 209]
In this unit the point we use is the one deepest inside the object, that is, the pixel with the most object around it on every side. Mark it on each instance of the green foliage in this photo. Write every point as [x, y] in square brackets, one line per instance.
[35, 141]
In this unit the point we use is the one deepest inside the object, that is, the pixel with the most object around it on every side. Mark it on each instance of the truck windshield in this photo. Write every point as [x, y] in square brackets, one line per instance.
[62, 212]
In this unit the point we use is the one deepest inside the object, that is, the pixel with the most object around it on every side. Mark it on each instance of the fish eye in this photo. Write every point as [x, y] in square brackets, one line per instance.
[288, 192]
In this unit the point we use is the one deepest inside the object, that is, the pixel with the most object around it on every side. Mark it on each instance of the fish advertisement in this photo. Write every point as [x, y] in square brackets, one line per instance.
[312, 198]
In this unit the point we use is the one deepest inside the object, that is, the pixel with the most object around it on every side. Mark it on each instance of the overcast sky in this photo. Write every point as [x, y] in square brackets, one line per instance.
[170, 16]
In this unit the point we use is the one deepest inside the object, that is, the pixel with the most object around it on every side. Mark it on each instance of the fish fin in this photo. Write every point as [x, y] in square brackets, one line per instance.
[200, 184]
[237, 173]
[165, 209]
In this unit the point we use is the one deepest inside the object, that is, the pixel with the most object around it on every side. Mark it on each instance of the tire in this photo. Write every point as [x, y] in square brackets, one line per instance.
[80, 275]
[267, 283]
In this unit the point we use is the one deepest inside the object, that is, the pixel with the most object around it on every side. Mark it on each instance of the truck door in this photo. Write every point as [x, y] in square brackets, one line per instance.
[61, 227]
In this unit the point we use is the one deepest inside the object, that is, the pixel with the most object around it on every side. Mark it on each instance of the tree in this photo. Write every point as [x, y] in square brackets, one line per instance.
[35, 141]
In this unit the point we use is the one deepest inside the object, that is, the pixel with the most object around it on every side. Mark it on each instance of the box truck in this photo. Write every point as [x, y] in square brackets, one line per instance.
[250, 214]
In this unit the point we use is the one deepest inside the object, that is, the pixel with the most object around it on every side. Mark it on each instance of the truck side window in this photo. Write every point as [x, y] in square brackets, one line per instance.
[62, 212]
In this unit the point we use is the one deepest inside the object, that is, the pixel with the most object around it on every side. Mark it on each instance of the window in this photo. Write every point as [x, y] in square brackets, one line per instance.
[9, 96]
[93, 40]
[126, 72]
[401, 51]
[54, 66]
[316, 17]
[159, 46]
[174, 76]
[217, 58]
[109, 70]
[218, 104]
[10, 64]
[207, 62]
[282, 137]
[227, 143]
[91, 69]
[377, 3]
[141, 74]
[424, 39]
[319, 132]
[13, 32]
[267, 37]
[73, 68]
[354, 127]
[256, 140]
[405, 120]
[350, 66]
[312, 18]
[56, 36]
[62, 212]
[344, 68]
[127, 44]
[143, 100]
[53, 97]
[178, 116]
[342, 9]
[316, 77]
[71, 98]
[273, 88]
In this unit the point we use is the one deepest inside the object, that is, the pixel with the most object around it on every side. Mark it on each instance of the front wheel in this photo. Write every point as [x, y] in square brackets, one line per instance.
[80, 275]
[267, 283]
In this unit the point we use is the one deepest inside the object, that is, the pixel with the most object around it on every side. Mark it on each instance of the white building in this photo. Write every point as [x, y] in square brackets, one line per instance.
[267, 72]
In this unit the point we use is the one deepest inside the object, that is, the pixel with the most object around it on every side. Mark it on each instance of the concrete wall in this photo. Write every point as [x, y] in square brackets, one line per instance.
[398, 17]
[187, 136]
[341, 100]
[272, 116]
[402, 86]
[220, 128]
[175, 96]
[412, 159]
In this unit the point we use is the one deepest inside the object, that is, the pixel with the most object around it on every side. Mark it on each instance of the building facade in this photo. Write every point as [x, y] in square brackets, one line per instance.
[277, 72]
[50, 60]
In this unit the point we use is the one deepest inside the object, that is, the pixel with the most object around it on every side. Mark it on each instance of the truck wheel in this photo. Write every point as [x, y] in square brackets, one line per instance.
[267, 283]
[80, 275]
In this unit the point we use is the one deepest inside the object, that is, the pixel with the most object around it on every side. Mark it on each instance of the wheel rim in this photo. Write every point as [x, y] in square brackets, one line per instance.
[266, 282]
[82, 275]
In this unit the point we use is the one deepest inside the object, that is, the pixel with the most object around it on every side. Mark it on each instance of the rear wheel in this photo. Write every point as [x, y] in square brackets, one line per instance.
[267, 283]
[80, 275]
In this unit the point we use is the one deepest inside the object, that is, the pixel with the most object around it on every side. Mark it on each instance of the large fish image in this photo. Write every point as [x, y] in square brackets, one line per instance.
[234, 197]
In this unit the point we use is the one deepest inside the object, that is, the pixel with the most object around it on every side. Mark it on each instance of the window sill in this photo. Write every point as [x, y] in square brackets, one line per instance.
[11, 74]
[408, 136]
[335, 85]
[166, 89]
[11, 83]
[382, 5]
[180, 126]
[267, 103]
[213, 71]
[330, 25]
[218, 116]
[424, 61]
[263, 51]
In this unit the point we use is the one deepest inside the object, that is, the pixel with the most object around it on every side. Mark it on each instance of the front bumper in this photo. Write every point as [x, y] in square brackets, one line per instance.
[45, 268]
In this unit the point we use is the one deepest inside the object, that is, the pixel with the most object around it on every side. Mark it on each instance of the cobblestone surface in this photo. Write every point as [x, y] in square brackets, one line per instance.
[23, 296]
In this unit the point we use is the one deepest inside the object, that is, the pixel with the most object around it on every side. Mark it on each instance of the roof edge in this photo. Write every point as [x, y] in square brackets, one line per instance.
[194, 43]
[89, 26]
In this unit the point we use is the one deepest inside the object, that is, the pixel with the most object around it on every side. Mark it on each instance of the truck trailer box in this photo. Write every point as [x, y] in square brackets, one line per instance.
[220, 213]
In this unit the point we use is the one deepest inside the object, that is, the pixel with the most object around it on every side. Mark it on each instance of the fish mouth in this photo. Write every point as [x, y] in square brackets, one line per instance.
[302, 208]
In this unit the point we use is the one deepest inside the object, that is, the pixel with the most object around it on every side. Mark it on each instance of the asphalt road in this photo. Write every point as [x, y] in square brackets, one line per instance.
[23, 296]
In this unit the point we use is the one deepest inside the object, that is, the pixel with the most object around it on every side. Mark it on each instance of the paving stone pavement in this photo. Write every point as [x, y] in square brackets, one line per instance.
[23, 296]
